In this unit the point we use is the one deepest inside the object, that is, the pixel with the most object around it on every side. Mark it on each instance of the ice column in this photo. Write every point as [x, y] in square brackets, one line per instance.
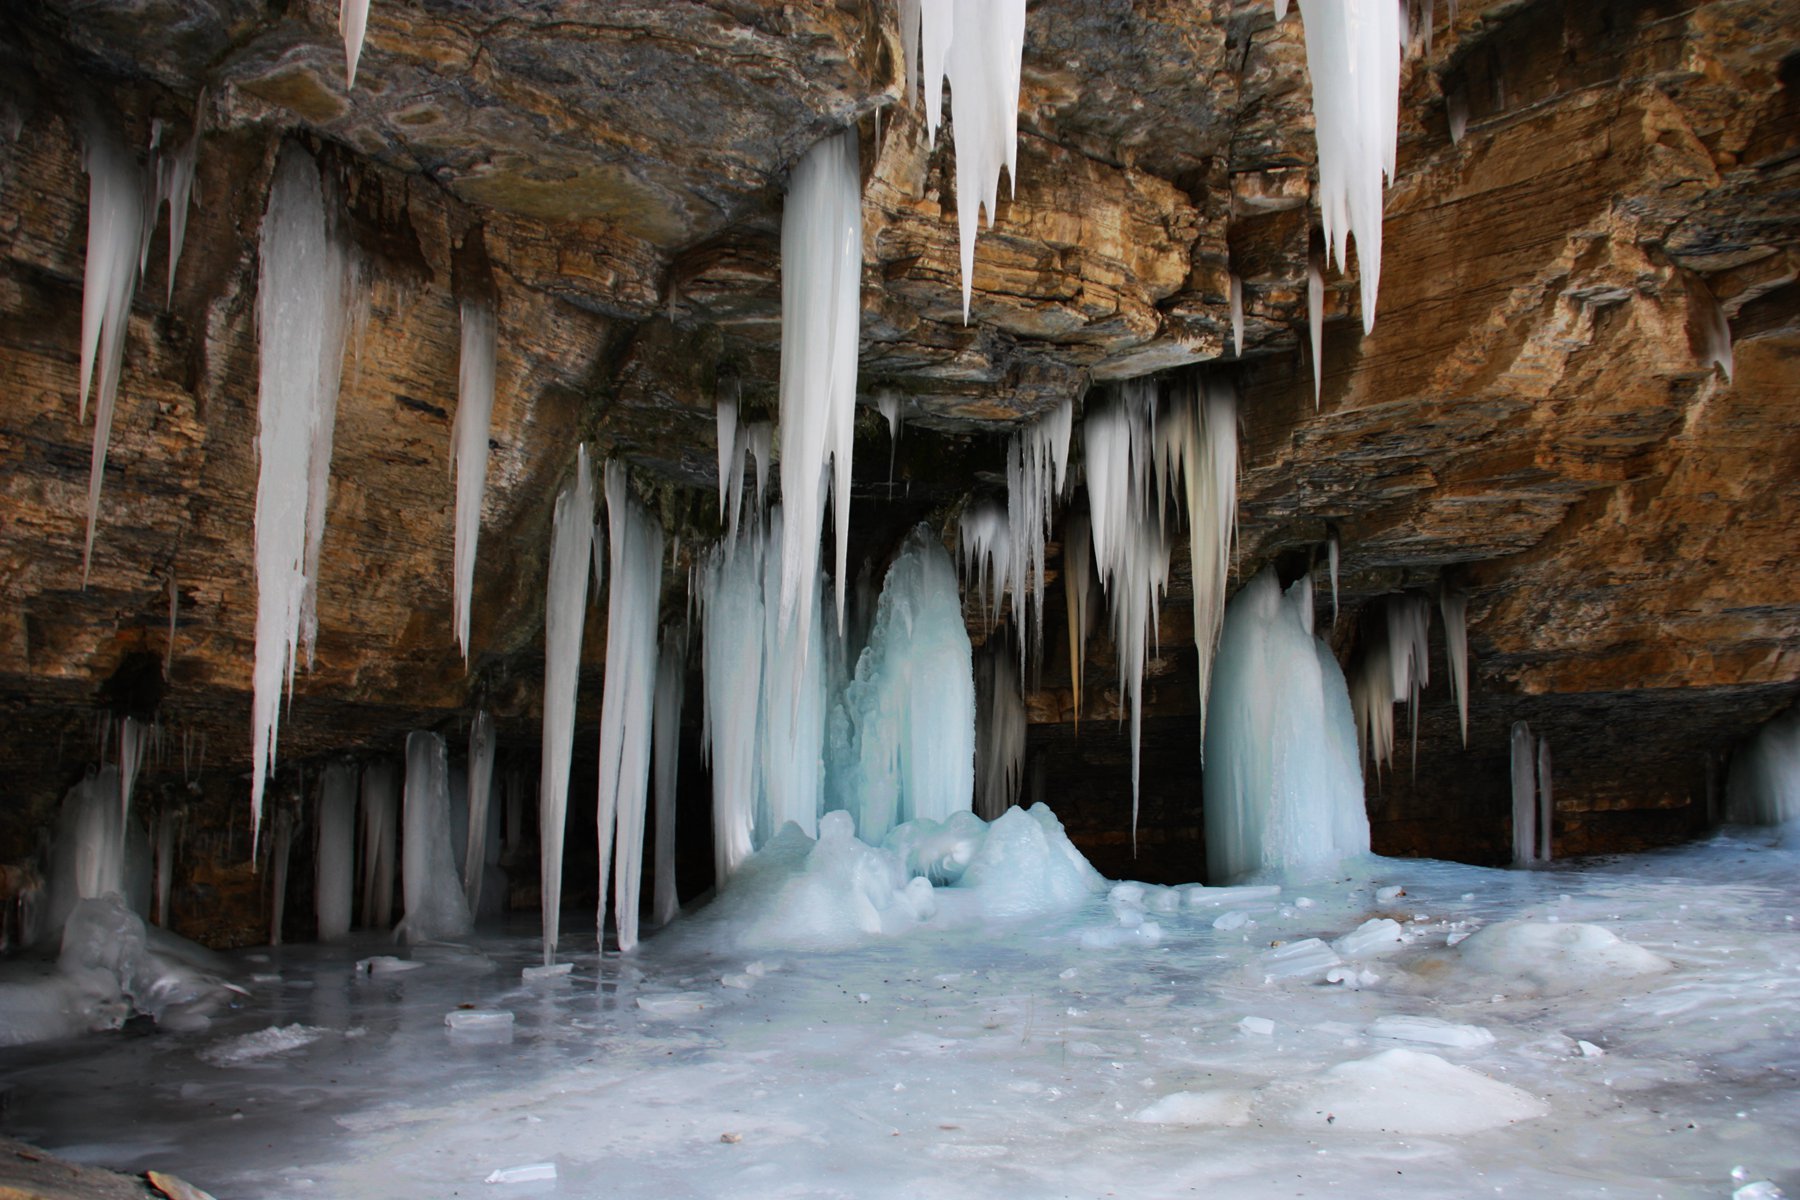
[628, 702]
[792, 712]
[280, 852]
[733, 614]
[335, 857]
[1524, 795]
[1764, 785]
[474, 415]
[481, 781]
[1282, 786]
[381, 808]
[821, 280]
[1353, 57]
[435, 908]
[910, 710]
[565, 612]
[671, 683]
[165, 862]
[301, 304]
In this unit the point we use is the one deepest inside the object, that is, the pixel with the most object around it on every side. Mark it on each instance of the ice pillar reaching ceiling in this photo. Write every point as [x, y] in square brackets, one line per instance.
[565, 613]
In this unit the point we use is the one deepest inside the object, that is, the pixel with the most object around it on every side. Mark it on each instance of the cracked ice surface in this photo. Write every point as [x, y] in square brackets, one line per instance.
[1007, 1059]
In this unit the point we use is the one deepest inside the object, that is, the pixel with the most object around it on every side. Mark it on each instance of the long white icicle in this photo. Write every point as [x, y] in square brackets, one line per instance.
[353, 22]
[474, 417]
[671, 684]
[565, 613]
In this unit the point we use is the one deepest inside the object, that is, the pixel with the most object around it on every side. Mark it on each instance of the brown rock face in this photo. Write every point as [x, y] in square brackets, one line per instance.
[1534, 421]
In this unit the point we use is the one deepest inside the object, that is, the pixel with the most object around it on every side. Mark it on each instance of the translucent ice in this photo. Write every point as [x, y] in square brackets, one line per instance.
[733, 654]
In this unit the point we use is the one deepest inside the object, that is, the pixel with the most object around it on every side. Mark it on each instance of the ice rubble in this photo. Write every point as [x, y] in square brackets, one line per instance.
[1764, 785]
[302, 306]
[565, 614]
[1282, 784]
[469, 435]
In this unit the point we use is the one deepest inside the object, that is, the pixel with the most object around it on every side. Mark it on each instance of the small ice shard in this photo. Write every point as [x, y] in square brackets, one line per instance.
[478, 1020]
[528, 1173]
[1589, 1050]
[1431, 1030]
[474, 419]
[1261, 1026]
[546, 972]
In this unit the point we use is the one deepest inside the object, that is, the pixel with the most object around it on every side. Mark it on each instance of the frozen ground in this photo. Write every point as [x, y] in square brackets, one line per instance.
[1136, 1047]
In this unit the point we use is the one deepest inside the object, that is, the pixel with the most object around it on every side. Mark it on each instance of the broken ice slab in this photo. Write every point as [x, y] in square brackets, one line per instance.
[1223, 897]
[479, 1020]
[671, 1004]
[529, 1173]
[1432, 1031]
[1308, 958]
[385, 964]
[1378, 935]
[539, 974]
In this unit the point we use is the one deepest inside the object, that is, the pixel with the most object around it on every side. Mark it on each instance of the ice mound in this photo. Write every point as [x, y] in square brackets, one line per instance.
[1550, 958]
[1198, 1108]
[838, 892]
[1409, 1091]
[249, 1047]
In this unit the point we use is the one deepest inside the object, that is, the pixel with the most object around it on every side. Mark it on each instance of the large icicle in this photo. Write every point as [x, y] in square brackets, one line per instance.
[301, 305]
[334, 856]
[175, 171]
[1315, 325]
[671, 684]
[474, 416]
[821, 281]
[1409, 655]
[481, 786]
[1078, 585]
[1454, 606]
[627, 704]
[381, 836]
[979, 45]
[1353, 57]
[565, 612]
[435, 908]
[353, 22]
[119, 212]
[733, 616]
[1283, 790]
[908, 740]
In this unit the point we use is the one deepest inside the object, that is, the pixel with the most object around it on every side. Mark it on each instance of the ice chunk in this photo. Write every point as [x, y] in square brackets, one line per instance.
[546, 972]
[1198, 1108]
[1411, 1092]
[386, 964]
[478, 1020]
[1556, 957]
[469, 435]
[1260, 1026]
[1308, 958]
[1377, 935]
[1236, 919]
[565, 613]
[529, 1173]
[1432, 1031]
[672, 1004]
[1387, 895]
[1027, 865]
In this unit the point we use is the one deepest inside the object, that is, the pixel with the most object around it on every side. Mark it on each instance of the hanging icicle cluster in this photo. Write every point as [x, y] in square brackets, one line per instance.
[303, 306]
[1197, 443]
[979, 47]
[1004, 552]
[1395, 665]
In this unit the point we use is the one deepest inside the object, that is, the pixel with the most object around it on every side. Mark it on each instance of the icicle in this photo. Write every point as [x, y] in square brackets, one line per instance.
[1409, 649]
[175, 185]
[380, 806]
[334, 877]
[907, 738]
[732, 611]
[999, 732]
[174, 609]
[1524, 796]
[118, 215]
[1455, 609]
[301, 311]
[628, 701]
[134, 744]
[481, 779]
[1077, 571]
[888, 402]
[1456, 112]
[1353, 57]
[435, 908]
[1281, 7]
[279, 856]
[1315, 325]
[1198, 439]
[671, 683]
[1331, 556]
[565, 612]
[474, 416]
[1546, 802]
[1715, 329]
[759, 444]
[165, 864]
[821, 279]
[1237, 317]
[353, 22]
[985, 538]
[1282, 787]
[731, 462]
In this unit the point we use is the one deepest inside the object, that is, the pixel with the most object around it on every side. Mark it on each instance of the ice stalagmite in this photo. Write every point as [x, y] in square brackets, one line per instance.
[1130, 545]
[380, 836]
[474, 415]
[1524, 795]
[733, 617]
[999, 731]
[1282, 788]
[334, 857]
[908, 740]
[565, 612]
[1454, 607]
[671, 684]
[435, 908]
[792, 712]
[301, 305]
[1353, 59]
[1078, 582]
[481, 781]
[353, 22]
[628, 702]
[118, 216]
[979, 46]
[821, 282]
